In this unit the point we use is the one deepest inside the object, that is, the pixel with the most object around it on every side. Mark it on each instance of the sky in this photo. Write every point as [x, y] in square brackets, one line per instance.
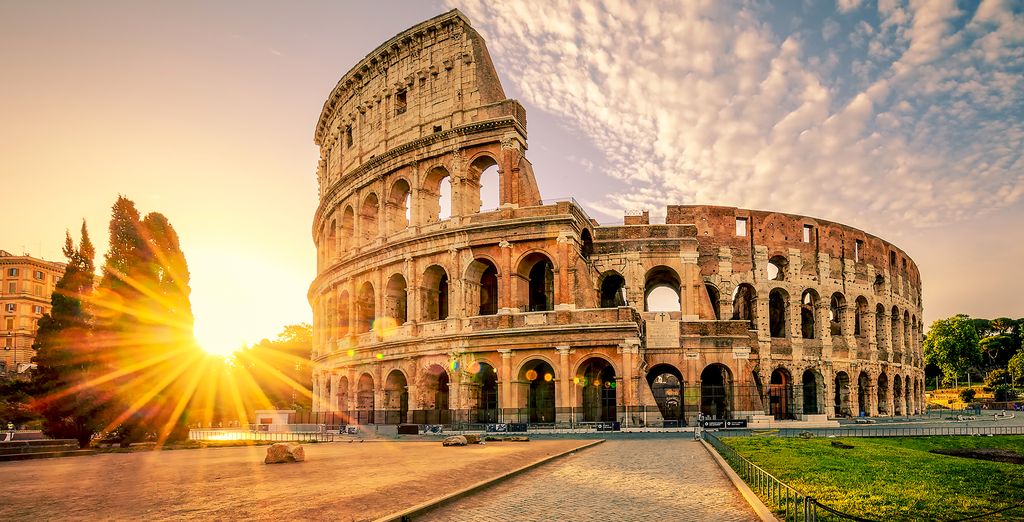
[903, 119]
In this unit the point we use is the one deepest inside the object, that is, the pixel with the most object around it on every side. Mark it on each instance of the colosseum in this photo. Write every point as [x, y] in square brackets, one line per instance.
[449, 292]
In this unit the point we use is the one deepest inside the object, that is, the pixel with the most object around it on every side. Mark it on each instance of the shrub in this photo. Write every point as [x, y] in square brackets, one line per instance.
[1004, 393]
[967, 394]
[997, 377]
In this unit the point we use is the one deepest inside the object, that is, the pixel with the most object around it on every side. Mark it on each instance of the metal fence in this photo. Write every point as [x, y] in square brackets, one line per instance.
[882, 431]
[226, 435]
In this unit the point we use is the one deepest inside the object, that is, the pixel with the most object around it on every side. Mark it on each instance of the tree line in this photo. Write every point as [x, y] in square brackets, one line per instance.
[962, 348]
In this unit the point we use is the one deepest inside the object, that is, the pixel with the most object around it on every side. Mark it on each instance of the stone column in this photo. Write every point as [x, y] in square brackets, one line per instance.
[506, 293]
[505, 379]
[564, 384]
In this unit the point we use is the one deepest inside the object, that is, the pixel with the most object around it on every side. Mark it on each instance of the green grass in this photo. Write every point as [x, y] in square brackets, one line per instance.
[894, 478]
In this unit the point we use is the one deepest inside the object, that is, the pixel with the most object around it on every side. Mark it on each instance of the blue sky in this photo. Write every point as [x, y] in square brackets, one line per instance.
[904, 119]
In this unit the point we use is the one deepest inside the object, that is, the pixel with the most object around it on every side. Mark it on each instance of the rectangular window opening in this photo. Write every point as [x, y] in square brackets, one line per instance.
[892, 259]
[741, 226]
[400, 102]
[856, 250]
[348, 135]
[437, 128]
[807, 233]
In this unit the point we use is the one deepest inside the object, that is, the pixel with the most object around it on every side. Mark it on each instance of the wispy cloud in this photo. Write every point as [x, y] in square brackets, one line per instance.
[917, 121]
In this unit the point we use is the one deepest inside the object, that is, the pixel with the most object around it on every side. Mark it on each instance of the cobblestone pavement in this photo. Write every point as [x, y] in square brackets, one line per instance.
[650, 479]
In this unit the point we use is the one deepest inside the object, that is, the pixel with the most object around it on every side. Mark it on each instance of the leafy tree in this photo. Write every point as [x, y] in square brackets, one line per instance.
[282, 368]
[996, 377]
[14, 400]
[967, 395]
[952, 345]
[1016, 367]
[66, 355]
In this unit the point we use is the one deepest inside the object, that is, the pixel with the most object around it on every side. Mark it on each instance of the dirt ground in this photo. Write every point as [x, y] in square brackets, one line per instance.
[338, 481]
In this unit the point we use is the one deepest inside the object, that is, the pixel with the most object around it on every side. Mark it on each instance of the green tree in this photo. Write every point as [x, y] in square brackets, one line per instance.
[997, 377]
[65, 383]
[282, 368]
[952, 345]
[1016, 367]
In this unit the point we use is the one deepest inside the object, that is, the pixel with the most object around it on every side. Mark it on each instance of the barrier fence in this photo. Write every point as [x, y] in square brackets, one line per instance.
[881, 431]
[260, 436]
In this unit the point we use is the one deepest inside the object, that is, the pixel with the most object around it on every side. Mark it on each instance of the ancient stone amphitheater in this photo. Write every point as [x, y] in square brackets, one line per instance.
[449, 291]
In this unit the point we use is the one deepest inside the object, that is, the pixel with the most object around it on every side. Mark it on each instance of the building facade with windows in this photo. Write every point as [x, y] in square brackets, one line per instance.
[448, 291]
[26, 286]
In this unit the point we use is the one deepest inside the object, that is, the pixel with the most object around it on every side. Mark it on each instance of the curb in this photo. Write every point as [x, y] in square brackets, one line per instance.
[759, 508]
[419, 509]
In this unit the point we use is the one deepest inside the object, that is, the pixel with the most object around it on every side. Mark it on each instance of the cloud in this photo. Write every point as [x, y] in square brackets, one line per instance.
[705, 102]
[845, 6]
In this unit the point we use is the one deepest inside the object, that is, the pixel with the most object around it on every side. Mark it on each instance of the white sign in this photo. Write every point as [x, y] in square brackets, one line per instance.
[741, 352]
[692, 356]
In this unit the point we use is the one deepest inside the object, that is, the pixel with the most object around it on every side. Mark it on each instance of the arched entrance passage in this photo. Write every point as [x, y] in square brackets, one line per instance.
[777, 300]
[364, 399]
[883, 394]
[396, 398]
[864, 393]
[808, 314]
[596, 380]
[537, 282]
[812, 385]
[716, 391]
[396, 301]
[436, 382]
[484, 392]
[435, 294]
[744, 305]
[483, 299]
[666, 384]
[537, 391]
[662, 290]
[780, 394]
[897, 393]
[612, 285]
[841, 399]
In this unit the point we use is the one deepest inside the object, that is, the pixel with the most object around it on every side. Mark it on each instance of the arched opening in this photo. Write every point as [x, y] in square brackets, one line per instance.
[537, 379]
[485, 170]
[776, 269]
[537, 279]
[341, 394]
[864, 393]
[396, 300]
[907, 327]
[483, 275]
[880, 327]
[332, 310]
[780, 395]
[368, 218]
[811, 386]
[744, 305]
[586, 244]
[883, 394]
[777, 300]
[716, 391]
[484, 392]
[596, 381]
[841, 399]
[667, 387]
[714, 296]
[808, 307]
[398, 206]
[836, 312]
[437, 383]
[662, 290]
[436, 195]
[342, 317]
[396, 398]
[435, 294]
[897, 336]
[348, 224]
[332, 241]
[364, 399]
[613, 288]
[861, 318]
[897, 393]
[366, 308]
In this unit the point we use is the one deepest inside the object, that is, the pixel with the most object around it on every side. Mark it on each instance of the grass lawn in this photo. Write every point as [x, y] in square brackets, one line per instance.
[894, 478]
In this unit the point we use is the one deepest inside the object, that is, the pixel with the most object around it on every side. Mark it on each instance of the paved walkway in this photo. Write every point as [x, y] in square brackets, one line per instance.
[649, 479]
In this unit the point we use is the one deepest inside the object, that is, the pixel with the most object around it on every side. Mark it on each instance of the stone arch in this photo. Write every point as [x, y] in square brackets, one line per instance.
[485, 178]
[776, 269]
[744, 304]
[864, 393]
[536, 379]
[396, 299]
[897, 393]
[880, 326]
[332, 241]
[595, 380]
[716, 391]
[661, 286]
[368, 215]
[364, 399]
[778, 304]
[906, 329]
[399, 206]
[883, 394]
[666, 383]
[341, 396]
[348, 228]
[342, 317]
[436, 293]
[396, 397]
[332, 309]
[483, 392]
[809, 313]
[482, 287]
[536, 281]
[861, 317]
[366, 307]
[813, 389]
[841, 395]
[431, 196]
[780, 394]
[612, 286]
[715, 297]
[586, 244]
[437, 394]
[837, 314]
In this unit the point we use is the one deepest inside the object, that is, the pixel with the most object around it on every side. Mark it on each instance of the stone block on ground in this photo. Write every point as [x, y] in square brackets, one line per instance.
[472, 438]
[454, 440]
[282, 452]
[517, 439]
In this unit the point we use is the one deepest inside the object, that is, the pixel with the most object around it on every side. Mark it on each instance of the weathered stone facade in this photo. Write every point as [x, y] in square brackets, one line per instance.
[534, 312]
